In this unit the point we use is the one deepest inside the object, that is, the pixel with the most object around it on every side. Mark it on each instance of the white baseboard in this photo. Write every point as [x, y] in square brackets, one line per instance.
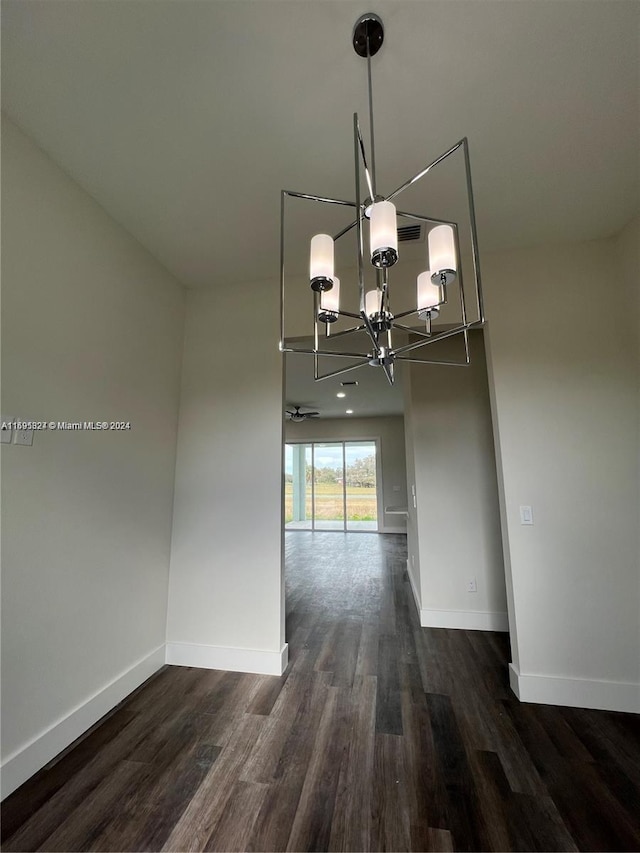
[469, 620]
[24, 762]
[386, 529]
[223, 657]
[575, 692]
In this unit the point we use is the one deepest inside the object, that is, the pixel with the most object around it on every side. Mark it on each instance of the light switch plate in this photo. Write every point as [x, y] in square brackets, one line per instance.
[526, 515]
[23, 436]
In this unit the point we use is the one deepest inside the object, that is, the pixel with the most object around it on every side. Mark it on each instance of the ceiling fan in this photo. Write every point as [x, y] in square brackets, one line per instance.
[299, 416]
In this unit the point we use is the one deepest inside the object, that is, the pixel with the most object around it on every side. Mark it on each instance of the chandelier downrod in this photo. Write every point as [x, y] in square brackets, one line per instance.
[372, 138]
[368, 36]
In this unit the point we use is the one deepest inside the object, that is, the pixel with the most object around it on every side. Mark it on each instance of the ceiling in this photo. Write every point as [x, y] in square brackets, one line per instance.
[371, 397]
[184, 120]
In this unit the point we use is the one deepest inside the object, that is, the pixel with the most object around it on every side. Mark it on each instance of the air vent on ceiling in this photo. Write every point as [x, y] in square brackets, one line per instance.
[344, 384]
[409, 232]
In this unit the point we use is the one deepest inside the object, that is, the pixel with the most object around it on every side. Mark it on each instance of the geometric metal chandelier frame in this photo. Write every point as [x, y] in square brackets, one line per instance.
[375, 317]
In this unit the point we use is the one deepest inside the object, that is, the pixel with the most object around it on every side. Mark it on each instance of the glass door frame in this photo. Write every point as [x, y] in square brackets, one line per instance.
[379, 486]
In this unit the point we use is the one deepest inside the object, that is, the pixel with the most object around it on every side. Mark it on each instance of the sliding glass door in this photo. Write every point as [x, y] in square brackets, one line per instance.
[331, 486]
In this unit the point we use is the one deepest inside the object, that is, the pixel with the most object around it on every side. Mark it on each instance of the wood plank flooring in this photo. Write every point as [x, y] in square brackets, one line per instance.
[380, 736]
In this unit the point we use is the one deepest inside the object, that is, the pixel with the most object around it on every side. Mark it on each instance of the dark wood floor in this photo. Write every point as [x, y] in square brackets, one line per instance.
[380, 736]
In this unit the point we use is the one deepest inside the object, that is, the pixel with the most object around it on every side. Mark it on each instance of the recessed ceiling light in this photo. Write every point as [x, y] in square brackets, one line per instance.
[341, 394]
[349, 411]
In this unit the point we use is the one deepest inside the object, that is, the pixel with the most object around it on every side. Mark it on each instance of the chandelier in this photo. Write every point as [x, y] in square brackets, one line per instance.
[385, 336]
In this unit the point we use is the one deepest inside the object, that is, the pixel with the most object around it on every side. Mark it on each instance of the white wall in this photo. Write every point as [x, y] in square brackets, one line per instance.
[225, 604]
[413, 539]
[92, 330]
[563, 332]
[457, 516]
[627, 248]
[390, 431]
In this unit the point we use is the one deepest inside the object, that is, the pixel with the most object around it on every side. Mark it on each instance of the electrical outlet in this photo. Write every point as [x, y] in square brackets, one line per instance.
[23, 436]
[472, 585]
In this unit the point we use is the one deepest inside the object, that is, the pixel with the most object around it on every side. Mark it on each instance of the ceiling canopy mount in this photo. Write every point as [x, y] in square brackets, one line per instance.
[368, 35]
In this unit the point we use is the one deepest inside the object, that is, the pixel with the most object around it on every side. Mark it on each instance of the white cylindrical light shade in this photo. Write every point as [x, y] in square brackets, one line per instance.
[330, 299]
[321, 257]
[428, 292]
[372, 302]
[383, 230]
[442, 250]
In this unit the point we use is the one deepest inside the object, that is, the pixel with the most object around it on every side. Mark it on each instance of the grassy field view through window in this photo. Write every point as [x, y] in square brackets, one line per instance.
[361, 502]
